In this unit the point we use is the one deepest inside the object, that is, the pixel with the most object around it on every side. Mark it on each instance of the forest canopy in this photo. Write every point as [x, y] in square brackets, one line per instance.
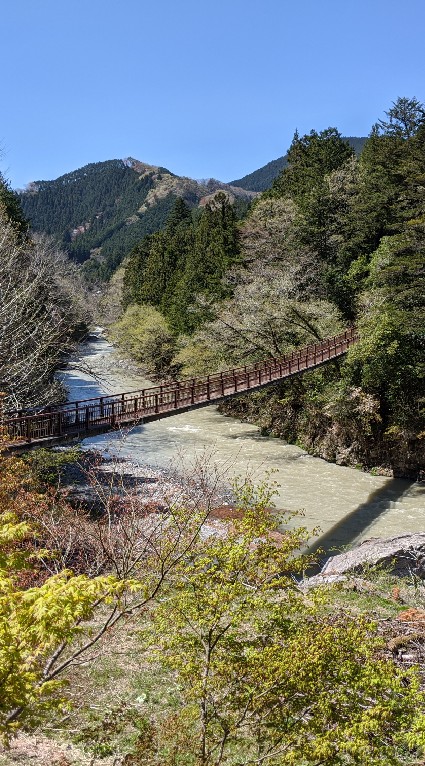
[338, 239]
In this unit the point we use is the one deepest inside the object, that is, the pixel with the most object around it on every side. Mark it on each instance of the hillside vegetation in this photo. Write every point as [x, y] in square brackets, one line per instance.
[261, 180]
[99, 212]
[338, 239]
[42, 311]
[179, 641]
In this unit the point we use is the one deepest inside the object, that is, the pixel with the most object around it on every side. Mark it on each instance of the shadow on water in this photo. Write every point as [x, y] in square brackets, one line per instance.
[354, 524]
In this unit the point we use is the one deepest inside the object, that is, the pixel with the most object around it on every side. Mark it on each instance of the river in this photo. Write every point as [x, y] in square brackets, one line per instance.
[348, 505]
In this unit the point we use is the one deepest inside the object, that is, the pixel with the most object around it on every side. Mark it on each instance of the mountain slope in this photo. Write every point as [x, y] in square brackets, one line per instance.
[262, 179]
[101, 211]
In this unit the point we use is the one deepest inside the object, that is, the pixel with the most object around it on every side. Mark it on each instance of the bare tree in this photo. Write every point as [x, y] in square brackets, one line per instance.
[278, 298]
[38, 316]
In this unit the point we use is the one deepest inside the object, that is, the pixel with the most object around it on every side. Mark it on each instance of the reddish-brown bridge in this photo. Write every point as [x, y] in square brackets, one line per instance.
[79, 419]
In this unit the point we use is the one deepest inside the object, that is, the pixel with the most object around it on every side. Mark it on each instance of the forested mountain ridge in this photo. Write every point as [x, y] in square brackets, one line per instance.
[99, 212]
[260, 180]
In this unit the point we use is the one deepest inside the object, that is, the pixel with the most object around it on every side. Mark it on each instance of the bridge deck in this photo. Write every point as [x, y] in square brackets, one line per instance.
[108, 412]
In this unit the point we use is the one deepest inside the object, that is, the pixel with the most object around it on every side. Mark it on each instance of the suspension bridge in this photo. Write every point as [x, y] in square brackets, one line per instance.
[104, 413]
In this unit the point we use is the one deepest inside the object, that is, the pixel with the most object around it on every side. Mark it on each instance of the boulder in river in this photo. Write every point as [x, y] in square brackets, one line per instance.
[402, 555]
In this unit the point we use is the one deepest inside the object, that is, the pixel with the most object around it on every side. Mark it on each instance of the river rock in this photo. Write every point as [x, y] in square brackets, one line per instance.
[402, 555]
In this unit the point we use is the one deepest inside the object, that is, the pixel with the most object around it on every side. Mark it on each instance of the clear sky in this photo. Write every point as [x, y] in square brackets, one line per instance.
[206, 88]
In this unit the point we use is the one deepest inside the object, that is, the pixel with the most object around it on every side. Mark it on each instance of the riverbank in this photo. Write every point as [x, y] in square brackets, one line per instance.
[356, 439]
[347, 505]
[92, 483]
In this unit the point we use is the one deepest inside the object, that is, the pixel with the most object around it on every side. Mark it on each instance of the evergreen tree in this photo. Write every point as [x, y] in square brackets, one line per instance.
[180, 214]
[404, 118]
[152, 267]
[310, 158]
[216, 248]
[12, 207]
[133, 273]
[169, 269]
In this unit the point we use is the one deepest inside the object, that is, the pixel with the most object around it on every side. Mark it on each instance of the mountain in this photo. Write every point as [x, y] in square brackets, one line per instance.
[98, 213]
[262, 179]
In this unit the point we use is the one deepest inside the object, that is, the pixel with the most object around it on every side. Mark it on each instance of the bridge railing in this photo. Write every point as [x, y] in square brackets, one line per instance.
[110, 411]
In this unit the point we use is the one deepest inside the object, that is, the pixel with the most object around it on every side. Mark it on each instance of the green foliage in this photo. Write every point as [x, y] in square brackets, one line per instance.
[172, 268]
[38, 623]
[197, 355]
[310, 159]
[134, 271]
[12, 207]
[389, 359]
[144, 333]
[119, 240]
[263, 671]
[47, 465]
[313, 160]
[33, 623]
[97, 207]
[404, 118]
[262, 179]
[216, 248]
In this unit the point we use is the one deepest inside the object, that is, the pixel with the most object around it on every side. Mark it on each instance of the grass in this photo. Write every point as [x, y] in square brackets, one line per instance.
[114, 695]
[111, 698]
[122, 688]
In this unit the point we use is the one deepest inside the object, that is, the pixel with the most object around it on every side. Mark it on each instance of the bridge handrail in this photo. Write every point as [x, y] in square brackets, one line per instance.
[349, 334]
[108, 409]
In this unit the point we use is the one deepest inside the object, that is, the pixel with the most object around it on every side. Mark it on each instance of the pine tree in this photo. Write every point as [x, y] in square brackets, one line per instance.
[133, 273]
[310, 158]
[12, 207]
[215, 248]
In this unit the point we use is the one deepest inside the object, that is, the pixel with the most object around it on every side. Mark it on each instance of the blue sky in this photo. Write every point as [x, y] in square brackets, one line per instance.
[206, 89]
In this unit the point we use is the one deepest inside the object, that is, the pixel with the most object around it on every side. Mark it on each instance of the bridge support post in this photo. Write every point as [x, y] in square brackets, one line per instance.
[87, 418]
